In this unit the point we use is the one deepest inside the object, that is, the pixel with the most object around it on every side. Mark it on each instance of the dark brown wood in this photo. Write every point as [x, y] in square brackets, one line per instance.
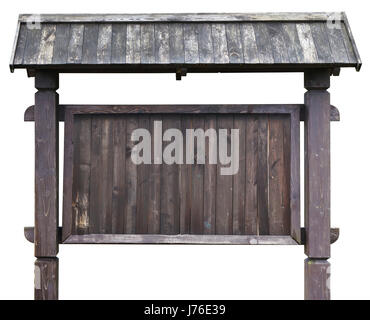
[317, 279]
[317, 166]
[46, 165]
[334, 235]
[29, 113]
[180, 239]
[46, 278]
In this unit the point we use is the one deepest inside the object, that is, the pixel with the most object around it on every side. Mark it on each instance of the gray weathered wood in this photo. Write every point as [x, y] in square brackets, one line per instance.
[263, 42]
[205, 43]
[62, 37]
[307, 43]
[133, 45]
[119, 34]
[191, 43]
[47, 41]
[90, 43]
[147, 43]
[250, 50]
[104, 48]
[162, 45]
[176, 43]
[220, 52]
[75, 43]
[234, 43]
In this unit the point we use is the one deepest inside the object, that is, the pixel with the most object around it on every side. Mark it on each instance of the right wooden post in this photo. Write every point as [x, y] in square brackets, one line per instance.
[317, 184]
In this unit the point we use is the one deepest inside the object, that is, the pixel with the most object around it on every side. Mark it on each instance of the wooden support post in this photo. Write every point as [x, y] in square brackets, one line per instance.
[46, 279]
[317, 182]
[46, 182]
[317, 279]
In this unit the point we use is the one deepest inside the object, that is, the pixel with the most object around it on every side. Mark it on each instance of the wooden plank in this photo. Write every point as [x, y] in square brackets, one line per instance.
[81, 168]
[263, 42]
[131, 178]
[184, 17]
[104, 49]
[46, 167]
[234, 43]
[31, 52]
[317, 279]
[334, 112]
[262, 175]
[220, 52]
[143, 188]
[191, 43]
[147, 43]
[251, 160]
[170, 200]
[96, 177]
[20, 45]
[162, 45]
[321, 40]
[278, 42]
[154, 209]
[185, 178]
[224, 188]
[46, 279]
[119, 35]
[179, 239]
[119, 174]
[133, 44]
[62, 37]
[307, 43]
[248, 38]
[75, 43]
[239, 183]
[176, 43]
[197, 179]
[205, 43]
[210, 177]
[292, 45]
[349, 46]
[90, 44]
[317, 166]
[338, 49]
[279, 177]
[48, 32]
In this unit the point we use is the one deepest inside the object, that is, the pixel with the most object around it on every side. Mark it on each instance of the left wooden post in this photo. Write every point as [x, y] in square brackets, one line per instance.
[46, 185]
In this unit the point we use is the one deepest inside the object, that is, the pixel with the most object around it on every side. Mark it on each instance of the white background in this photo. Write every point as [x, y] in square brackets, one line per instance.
[186, 272]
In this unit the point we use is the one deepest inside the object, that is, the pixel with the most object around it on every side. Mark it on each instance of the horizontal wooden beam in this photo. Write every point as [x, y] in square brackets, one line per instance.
[29, 113]
[29, 234]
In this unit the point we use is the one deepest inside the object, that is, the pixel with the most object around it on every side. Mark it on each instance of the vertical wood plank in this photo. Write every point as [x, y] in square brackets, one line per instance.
[131, 178]
[147, 43]
[205, 43]
[143, 187]
[133, 44]
[191, 43]
[162, 45]
[176, 43]
[337, 46]
[104, 49]
[278, 43]
[119, 179]
[197, 181]
[250, 51]
[46, 279]
[307, 43]
[234, 43]
[251, 160]
[224, 188]
[278, 186]
[220, 51]
[154, 210]
[48, 32]
[75, 43]
[81, 168]
[62, 37]
[239, 191]
[90, 43]
[262, 175]
[210, 178]
[263, 42]
[170, 208]
[119, 36]
[31, 52]
[293, 45]
[321, 40]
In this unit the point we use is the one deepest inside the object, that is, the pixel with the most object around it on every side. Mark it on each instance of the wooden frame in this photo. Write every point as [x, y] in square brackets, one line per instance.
[292, 110]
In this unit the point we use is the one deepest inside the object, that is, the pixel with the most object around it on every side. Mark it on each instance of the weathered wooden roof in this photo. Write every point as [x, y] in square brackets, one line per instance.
[196, 42]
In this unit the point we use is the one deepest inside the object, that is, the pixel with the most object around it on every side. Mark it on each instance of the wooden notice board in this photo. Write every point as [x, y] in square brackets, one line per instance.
[110, 199]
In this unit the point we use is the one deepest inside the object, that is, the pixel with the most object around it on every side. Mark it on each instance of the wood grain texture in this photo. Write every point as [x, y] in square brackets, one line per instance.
[46, 279]
[317, 279]
[171, 199]
[46, 168]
